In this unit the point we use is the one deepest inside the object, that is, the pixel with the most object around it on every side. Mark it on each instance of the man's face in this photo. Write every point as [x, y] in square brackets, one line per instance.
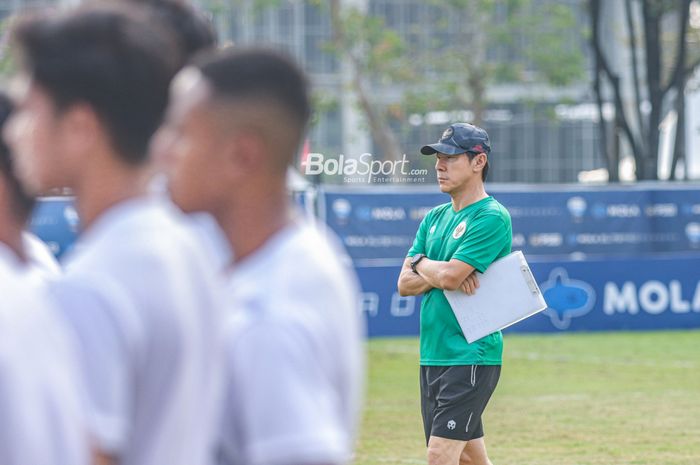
[455, 171]
[189, 146]
[35, 135]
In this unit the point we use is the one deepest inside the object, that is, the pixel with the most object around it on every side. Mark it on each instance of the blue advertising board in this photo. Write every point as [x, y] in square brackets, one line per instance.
[610, 258]
[607, 221]
[607, 294]
[56, 222]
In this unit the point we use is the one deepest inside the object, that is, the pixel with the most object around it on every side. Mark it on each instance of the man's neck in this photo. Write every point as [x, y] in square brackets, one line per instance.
[11, 237]
[250, 221]
[105, 187]
[468, 195]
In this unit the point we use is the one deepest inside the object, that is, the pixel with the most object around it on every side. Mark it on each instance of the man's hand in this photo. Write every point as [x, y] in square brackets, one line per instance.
[409, 282]
[470, 284]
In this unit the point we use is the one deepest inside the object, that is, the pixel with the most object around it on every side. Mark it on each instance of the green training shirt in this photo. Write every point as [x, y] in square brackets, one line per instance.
[478, 234]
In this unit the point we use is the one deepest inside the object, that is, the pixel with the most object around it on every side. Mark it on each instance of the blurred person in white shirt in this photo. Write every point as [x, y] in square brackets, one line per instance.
[138, 291]
[42, 416]
[295, 361]
[28, 249]
[40, 257]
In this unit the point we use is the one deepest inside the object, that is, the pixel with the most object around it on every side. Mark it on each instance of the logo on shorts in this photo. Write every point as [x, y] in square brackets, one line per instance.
[451, 424]
[459, 230]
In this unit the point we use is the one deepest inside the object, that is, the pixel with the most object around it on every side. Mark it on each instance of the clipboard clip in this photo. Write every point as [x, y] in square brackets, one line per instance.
[530, 279]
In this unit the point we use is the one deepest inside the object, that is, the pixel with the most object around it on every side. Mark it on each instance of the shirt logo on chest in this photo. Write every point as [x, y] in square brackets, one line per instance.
[459, 230]
[432, 229]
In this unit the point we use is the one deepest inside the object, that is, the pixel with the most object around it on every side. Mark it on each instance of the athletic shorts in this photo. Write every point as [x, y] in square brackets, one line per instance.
[453, 398]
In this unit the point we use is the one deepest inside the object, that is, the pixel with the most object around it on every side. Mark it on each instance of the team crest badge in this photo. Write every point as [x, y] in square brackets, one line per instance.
[459, 230]
[447, 134]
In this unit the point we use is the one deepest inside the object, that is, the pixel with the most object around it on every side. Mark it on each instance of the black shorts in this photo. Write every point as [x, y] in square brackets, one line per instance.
[453, 398]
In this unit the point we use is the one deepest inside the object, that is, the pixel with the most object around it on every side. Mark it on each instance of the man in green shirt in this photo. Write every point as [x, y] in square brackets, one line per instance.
[454, 241]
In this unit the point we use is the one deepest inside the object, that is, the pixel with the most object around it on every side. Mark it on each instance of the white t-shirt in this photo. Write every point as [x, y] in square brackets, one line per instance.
[42, 416]
[39, 256]
[203, 225]
[212, 238]
[144, 304]
[295, 354]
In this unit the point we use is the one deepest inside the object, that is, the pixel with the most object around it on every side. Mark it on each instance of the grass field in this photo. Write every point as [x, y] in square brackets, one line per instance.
[574, 399]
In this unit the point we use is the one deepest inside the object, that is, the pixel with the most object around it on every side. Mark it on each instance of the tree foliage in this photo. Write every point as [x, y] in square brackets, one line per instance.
[525, 37]
[449, 63]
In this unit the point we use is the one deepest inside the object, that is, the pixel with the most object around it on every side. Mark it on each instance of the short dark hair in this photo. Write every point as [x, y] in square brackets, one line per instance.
[191, 29]
[109, 56]
[485, 171]
[22, 203]
[259, 74]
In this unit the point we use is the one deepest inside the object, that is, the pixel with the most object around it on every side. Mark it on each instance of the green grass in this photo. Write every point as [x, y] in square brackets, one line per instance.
[573, 399]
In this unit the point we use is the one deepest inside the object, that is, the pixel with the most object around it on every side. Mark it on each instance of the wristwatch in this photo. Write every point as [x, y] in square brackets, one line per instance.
[416, 259]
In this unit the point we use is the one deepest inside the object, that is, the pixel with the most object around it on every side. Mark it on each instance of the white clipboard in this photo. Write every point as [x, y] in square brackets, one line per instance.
[507, 293]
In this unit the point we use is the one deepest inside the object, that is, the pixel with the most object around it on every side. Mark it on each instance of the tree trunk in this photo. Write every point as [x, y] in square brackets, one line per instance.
[678, 80]
[477, 86]
[651, 17]
[632, 29]
[679, 141]
[620, 118]
[613, 168]
[609, 157]
[381, 133]
[476, 74]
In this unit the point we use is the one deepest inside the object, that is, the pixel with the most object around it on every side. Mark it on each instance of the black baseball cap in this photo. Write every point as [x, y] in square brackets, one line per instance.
[460, 138]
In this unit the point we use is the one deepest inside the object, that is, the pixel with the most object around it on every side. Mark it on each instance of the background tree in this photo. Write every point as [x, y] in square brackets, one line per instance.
[454, 74]
[525, 36]
[452, 66]
[657, 34]
[372, 53]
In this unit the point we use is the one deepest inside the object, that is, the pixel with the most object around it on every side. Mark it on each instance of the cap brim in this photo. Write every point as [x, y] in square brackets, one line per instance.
[439, 147]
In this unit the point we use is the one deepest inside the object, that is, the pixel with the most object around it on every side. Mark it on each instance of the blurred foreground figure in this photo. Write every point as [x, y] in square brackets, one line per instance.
[194, 34]
[294, 335]
[137, 289]
[28, 249]
[42, 419]
[192, 31]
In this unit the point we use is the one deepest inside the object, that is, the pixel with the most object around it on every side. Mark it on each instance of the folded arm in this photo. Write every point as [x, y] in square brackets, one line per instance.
[411, 283]
[449, 276]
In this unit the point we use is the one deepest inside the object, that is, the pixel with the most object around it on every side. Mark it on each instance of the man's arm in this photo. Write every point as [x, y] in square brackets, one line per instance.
[448, 276]
[100, 319]
[411, 283]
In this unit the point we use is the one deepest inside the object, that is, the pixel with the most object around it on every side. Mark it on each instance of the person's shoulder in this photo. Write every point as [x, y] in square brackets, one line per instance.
[436, 212]
[318, 262]
[152, 234]
[439, 210]
[26, 312]
[308, 269]
[315, 248]
[493, 208]
[265, 323]
[40, 255]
